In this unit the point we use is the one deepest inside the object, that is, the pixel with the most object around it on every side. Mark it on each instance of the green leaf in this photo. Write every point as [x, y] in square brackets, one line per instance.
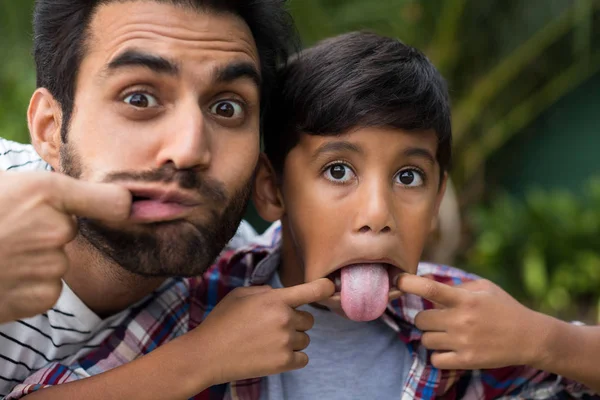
[535, 275]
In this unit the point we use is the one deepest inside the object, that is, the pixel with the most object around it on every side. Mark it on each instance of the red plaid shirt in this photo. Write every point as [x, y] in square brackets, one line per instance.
[159, 319]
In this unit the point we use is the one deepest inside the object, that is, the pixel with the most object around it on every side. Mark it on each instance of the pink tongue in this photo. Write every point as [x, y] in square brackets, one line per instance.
[364, 291]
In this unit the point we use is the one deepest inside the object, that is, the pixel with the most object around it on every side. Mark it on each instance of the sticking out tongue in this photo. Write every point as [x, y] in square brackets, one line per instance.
[364, 291]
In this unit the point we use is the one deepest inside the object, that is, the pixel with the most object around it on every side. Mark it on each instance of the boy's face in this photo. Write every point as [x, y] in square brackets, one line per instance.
[368, 198]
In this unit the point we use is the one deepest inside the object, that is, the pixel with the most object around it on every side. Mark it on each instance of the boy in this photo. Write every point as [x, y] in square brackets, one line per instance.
[357, 148]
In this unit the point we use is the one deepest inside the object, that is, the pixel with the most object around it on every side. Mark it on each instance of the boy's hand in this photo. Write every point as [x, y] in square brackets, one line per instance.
[476, 325]
[256, 331]
[37, 212]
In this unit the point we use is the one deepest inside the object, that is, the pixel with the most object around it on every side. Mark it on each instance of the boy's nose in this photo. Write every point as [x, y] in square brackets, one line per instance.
[187, 143]
[374, 212]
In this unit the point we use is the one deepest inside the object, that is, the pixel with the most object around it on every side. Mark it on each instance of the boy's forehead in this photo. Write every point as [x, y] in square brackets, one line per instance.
[365, 140]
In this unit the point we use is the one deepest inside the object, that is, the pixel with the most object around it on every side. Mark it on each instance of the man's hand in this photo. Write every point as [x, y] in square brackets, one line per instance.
[476, 325]
[37, 212]
[256, 331]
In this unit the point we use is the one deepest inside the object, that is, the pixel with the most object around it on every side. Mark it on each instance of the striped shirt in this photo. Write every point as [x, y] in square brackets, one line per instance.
[64, 333]
[146, 328]
[20, 157]
[70, 329]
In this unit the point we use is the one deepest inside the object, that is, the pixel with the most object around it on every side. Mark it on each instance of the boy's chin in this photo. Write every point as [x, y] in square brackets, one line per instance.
[334, 303]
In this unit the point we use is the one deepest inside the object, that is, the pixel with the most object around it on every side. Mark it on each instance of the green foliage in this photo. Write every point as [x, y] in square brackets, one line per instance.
[17, 75]
[506, 61]
[544, 249]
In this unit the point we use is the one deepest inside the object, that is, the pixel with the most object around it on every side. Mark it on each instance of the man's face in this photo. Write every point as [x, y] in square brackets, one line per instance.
[368, 197]
[167, 105]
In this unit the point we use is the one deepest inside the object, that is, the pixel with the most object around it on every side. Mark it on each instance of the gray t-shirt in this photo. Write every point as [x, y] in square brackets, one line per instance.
[348, 360]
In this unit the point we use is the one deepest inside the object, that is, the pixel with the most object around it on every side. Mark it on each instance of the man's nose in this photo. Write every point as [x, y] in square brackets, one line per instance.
[375, 213]
[187, 141]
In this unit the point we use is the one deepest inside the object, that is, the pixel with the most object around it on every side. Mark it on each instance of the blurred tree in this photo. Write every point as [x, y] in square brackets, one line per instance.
[506, 61]
[543, 249]
[17, 74]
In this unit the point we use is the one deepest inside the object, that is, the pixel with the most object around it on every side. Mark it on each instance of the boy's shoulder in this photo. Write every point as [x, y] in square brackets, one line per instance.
[446, 274]
[409, 305]
[236, 266]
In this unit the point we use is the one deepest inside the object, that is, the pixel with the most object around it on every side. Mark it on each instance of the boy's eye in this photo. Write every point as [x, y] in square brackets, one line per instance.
[227, 109]
[141, 100]
[410, 177]
[339, 173]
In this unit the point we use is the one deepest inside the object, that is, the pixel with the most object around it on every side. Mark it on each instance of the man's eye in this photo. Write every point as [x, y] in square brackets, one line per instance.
[410, 178]
[339, 173]
[227, 109]
[141, 100]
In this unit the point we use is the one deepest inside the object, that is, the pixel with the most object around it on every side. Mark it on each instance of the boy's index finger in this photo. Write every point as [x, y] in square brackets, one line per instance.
[306, 293]
[429, 289]
[102, 201]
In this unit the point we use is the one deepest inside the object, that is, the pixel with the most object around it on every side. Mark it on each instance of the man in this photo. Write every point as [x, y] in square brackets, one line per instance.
[152, 111]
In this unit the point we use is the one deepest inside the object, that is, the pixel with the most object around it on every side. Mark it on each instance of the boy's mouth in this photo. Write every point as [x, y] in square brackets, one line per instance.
[393, 273]
[364, 288]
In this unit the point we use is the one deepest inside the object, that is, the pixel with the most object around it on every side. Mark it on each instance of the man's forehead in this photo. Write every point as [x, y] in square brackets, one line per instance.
[179, 33]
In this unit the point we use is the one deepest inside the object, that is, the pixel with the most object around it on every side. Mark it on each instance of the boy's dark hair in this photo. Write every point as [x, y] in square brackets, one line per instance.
[357, 80]
[61, 32]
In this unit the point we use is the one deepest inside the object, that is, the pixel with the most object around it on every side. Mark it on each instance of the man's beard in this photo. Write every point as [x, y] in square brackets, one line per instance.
[173, 248]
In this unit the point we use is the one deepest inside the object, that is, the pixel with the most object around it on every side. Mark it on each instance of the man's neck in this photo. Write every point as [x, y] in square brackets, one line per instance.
[104, 287]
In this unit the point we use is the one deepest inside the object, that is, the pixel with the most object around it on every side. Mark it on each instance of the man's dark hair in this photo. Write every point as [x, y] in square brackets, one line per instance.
[357, 80]
[61, 33]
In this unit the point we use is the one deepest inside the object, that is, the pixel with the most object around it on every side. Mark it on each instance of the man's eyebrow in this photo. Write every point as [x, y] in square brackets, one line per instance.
[331, 147]
[237, 70]
[420, 152]
[136, 58]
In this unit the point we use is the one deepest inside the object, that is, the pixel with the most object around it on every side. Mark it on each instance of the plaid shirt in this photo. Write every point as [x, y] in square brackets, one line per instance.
[159, 319]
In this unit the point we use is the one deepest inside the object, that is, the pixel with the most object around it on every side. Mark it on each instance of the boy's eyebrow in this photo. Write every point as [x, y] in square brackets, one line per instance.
[420, 152]
[137, 58]
[331, 147]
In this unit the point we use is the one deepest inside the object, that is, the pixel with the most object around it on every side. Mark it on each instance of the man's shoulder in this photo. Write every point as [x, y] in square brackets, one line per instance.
[67, 331]
[237, 267]
[19, 157]
[244, 259]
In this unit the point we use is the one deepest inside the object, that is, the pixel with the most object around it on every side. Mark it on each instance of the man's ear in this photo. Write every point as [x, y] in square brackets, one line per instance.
[44, 118]
[438, 202]
[266, 193]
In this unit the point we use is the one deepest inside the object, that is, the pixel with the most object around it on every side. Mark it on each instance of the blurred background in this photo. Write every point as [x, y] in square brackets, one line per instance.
[524, 75]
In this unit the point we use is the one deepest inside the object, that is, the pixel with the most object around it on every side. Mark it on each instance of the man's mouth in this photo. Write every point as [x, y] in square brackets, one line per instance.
[150, 205]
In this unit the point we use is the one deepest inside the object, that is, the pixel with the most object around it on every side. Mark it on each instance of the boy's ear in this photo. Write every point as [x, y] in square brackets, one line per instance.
[438, 202]
[44, 118]
[266, 194]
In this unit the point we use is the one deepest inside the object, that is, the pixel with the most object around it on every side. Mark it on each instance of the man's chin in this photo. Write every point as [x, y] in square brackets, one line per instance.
[171, 226]
[165, 249]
